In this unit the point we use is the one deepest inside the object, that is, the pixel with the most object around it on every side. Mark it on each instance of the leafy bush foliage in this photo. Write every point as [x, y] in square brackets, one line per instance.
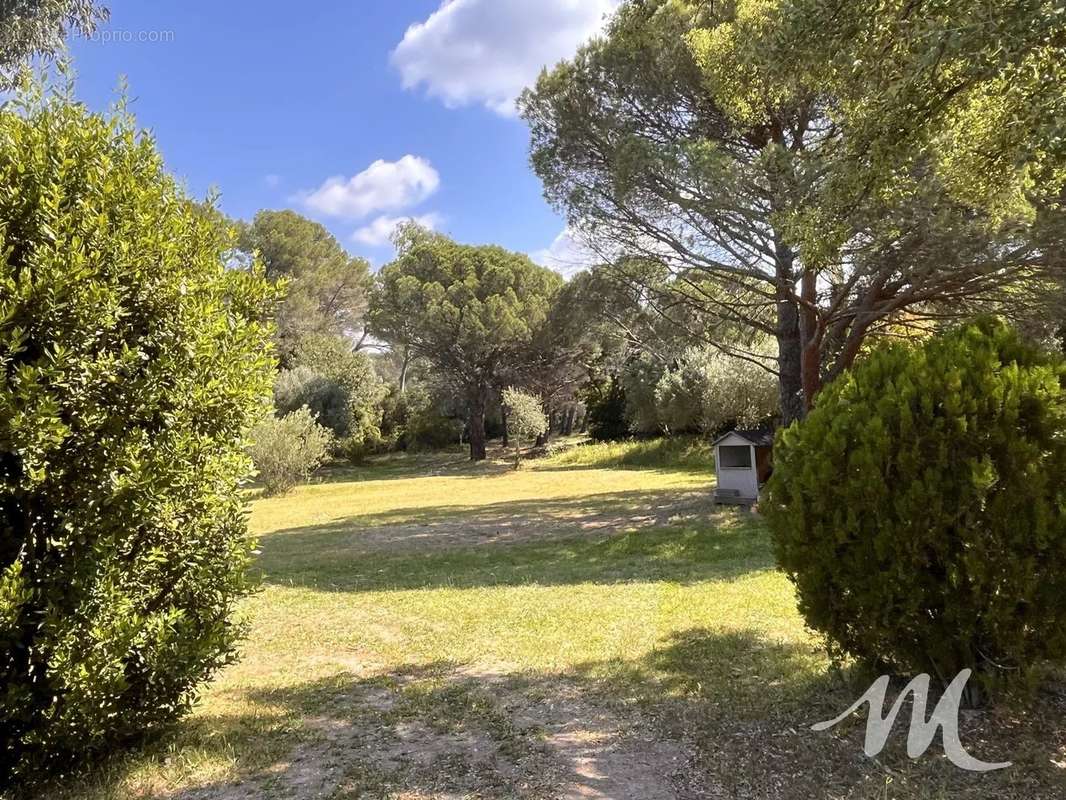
[133, 365]
[357, 449]
[639, 380]
[352, 375]
[427, 430]
[326, 399]
[920, 508]
[526, 419]
[702, 390]
[286, 450]
[413, 421]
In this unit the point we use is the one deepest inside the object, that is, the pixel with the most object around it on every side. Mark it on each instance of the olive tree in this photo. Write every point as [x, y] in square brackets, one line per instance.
[302, 387]
[132, 364]
[525, 419]
[30, 28]
[353, 374]
[287, 449]
[708, 390]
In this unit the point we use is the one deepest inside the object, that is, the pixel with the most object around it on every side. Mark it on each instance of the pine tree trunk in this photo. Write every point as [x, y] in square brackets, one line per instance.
[506, 435]
[478, 450]
[790, 366]
[403, 370]
[789, 342]
[543, 438]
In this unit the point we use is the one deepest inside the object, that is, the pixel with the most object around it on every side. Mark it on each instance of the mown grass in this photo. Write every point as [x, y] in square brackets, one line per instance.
[426, 594]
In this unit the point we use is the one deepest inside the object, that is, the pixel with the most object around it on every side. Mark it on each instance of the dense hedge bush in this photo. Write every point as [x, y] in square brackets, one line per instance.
[921, 508]
[638, 380]
[700, 390]
[286, 450]
[132, 363]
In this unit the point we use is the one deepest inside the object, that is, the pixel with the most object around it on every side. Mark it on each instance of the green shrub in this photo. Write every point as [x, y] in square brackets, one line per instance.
[428, 430]
[133, 363]
[394, 413]
[413, 422]
[920, 508]
[357, 449]
[638, 380]
[286, 450]
[349, 415]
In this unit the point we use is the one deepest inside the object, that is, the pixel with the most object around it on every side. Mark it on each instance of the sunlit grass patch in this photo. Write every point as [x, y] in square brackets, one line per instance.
[681, 452]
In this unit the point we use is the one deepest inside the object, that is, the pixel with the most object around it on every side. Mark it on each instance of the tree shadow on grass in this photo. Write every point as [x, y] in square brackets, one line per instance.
[444, 729]
[746, 702]
[708, 713]
[397, 467]
[610, 538]
[618, 510]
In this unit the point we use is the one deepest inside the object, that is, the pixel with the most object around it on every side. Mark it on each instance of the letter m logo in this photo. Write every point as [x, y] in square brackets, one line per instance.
[922, 731]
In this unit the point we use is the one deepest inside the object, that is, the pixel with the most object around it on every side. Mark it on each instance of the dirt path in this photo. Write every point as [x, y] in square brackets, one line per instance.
[469, 734]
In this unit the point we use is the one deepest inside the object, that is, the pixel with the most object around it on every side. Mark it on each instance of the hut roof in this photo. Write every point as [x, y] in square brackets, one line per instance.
[760, 437]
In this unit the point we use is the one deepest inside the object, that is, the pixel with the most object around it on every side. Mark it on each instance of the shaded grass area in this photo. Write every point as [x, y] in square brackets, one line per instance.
[587, 508]
[682, 554]
[473, 632]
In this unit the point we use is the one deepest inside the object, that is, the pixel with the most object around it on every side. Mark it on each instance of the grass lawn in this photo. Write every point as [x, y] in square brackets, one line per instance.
[587, 627]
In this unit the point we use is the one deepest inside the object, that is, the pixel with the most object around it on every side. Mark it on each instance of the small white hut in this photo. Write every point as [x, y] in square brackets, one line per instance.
[743, 461]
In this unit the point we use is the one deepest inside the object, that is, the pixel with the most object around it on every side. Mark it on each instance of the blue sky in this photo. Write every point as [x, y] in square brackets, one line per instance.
[356, 114]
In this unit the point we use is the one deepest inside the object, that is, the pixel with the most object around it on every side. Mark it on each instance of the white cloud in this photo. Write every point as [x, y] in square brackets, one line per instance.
[379, 232]
[567, 255]
[487, 51]
[383, 186]
[272, 181]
